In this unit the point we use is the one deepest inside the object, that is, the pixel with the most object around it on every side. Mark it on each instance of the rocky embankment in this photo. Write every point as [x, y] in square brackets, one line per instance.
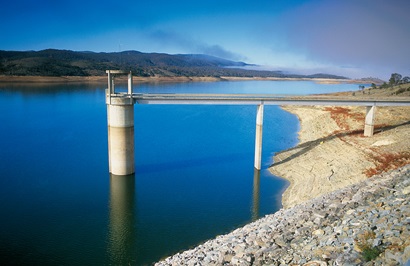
[367, 223]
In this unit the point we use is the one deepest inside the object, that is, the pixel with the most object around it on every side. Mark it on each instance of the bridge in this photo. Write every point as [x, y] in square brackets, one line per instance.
[120, 112]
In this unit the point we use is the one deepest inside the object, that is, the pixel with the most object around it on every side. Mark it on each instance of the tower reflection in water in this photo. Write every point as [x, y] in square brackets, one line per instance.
[122, 212]
[122, 231]
[256, 194]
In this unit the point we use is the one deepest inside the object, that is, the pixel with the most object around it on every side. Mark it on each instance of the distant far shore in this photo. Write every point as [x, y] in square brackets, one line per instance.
[163, 79]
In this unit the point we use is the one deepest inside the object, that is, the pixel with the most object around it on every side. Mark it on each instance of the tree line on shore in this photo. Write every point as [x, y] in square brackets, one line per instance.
[397, 85]
[395, 79]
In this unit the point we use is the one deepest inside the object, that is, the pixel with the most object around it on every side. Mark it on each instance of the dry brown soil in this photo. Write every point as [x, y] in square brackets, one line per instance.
[333, 152]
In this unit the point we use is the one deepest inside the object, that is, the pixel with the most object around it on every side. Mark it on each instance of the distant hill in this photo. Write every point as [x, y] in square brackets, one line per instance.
[52, 62]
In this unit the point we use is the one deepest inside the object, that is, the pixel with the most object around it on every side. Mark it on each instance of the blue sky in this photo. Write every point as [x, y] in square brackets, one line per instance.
[356, 38]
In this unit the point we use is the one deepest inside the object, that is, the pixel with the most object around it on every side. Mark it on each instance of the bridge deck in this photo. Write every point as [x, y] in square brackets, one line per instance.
[120, 113]
[257, 99]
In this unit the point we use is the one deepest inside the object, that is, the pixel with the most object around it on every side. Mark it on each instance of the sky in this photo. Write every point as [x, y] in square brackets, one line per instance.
[353, 38]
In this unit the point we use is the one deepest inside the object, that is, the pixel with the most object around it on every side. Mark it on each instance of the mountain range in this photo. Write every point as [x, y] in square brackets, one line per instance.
[53, 62]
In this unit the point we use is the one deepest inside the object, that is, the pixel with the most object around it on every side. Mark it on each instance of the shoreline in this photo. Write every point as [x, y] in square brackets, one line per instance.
[304, 177]
[162, 79]
[332, 152]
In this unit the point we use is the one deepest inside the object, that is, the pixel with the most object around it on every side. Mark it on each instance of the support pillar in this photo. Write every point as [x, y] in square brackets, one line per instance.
[130, 84]
[120, 118]
[258, 137]
[121, 139]
[369, 121]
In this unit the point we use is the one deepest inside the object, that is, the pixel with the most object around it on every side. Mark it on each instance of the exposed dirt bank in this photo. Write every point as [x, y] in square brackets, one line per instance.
[333, 152]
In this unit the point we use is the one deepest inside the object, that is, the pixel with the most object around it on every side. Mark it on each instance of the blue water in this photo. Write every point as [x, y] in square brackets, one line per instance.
[194, 172]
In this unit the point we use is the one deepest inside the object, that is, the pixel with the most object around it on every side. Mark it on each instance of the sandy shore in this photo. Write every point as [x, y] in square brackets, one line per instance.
[333, 153]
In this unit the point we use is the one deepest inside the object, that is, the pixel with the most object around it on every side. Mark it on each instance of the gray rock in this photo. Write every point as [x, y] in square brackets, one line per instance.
[325, 228]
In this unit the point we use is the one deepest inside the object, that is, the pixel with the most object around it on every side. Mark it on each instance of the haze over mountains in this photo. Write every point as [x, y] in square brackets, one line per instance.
[52, 62]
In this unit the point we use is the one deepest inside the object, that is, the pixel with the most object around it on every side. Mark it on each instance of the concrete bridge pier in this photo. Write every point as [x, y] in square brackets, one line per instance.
[120, 114]
[258, 137]
[369, 121]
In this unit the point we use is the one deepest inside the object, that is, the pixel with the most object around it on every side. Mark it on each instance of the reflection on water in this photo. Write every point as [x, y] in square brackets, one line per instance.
[123, 248]
[122, 231]
[256, 194]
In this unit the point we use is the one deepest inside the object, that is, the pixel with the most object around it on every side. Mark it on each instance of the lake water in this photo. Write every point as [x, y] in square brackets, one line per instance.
[194, 172]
